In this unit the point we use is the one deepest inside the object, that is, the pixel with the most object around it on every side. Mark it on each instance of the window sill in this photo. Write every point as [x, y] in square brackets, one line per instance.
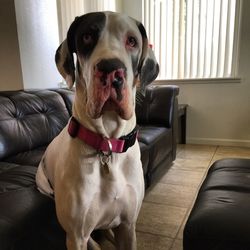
[200, 81]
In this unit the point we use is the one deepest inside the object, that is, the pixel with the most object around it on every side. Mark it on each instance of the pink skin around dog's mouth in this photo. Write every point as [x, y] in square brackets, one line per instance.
[110, 93]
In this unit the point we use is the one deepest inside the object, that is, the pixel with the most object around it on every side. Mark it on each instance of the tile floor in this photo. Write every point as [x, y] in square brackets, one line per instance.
[167, 204]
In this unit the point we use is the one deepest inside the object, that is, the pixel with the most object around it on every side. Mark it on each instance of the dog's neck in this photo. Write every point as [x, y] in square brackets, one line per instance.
[110, 124]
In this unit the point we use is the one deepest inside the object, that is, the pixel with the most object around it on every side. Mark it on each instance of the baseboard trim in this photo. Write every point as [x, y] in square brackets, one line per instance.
[218, 141]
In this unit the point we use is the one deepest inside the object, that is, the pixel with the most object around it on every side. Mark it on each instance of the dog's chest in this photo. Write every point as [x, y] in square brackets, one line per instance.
[118, 203]
[114, 196]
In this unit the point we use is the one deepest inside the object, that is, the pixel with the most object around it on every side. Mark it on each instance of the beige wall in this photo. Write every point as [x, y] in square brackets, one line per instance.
[10, 66]
[220, 113]
[37, 28]
[28, 41]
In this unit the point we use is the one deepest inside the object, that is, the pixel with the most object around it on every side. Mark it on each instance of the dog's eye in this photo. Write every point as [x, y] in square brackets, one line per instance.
[87, 39]
[131, 42]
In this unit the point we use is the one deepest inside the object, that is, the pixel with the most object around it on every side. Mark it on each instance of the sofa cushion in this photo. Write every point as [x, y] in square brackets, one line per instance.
[14, 177]
[150, 134]
[144, 156]
[29, 120]
[156, 106]
[68, 97]
[220, 218]
[30, 158]
[159, 140]
[23, 208]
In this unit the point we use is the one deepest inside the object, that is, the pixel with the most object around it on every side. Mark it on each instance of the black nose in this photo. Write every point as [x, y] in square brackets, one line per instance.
[111, 71]
[109, 65]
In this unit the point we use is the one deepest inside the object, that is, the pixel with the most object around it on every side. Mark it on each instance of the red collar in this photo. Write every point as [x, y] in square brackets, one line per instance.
[99, 142]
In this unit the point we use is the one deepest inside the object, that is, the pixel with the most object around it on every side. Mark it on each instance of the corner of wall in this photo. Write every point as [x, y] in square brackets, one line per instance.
[10, 63]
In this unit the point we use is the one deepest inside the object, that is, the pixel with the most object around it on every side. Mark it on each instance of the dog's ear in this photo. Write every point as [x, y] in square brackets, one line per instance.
[149, 70]
[148, 66]
[65, 63]
[64, 55]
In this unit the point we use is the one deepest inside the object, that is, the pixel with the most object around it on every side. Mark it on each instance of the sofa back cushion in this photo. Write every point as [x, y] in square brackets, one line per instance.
[30, 119]
[157, 105]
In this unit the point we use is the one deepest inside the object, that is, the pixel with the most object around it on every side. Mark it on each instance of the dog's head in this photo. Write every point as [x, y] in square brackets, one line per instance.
[113, 58]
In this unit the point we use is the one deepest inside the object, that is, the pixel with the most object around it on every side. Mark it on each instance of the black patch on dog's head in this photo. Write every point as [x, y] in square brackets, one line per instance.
[58, 55]
[68, 63]
[84, 33]
[135, 63]
[148, 67]
[149, 71]
[142, 30]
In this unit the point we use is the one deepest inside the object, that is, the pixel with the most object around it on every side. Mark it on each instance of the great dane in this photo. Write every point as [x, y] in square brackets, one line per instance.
[93, 168]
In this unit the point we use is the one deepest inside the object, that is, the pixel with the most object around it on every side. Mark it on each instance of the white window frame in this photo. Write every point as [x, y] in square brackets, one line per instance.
[186, 72]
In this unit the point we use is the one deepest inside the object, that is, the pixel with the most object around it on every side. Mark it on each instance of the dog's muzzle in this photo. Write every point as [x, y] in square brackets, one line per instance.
[110, 89]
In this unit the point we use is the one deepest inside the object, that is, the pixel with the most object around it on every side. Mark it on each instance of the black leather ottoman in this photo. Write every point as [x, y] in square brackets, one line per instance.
[220, 218]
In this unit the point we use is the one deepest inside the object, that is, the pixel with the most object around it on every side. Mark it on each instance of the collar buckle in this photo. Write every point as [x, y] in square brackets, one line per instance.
[129, 139]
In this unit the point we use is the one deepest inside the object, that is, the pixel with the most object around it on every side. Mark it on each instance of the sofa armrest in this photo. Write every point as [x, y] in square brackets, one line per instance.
[158, 106]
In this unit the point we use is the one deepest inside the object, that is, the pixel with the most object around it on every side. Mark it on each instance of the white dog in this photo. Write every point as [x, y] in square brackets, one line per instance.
[93, 168]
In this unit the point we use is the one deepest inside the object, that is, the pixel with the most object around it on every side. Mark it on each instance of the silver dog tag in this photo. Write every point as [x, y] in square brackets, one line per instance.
[105, 159]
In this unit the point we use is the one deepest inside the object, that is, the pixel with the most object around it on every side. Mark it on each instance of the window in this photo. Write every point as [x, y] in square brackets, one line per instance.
[194, 39]
[68, 10]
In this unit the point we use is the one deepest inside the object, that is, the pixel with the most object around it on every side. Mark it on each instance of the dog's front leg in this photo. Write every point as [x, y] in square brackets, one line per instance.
[76, 243]
[125, 237]
[92, 245]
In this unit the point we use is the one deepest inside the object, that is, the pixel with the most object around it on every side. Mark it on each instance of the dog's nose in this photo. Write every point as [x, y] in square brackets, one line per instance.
[111, 71]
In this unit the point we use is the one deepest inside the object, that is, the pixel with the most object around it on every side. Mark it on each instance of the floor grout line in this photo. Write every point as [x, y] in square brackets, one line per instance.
[164, 204]
[215, 152]
[156, 234]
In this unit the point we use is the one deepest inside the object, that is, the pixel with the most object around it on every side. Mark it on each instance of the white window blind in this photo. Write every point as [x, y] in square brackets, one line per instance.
[193, 38]
[69, 9]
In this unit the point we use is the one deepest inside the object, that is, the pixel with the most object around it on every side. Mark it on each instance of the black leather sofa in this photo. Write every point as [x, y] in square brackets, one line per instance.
[29, 120]
[220, 217]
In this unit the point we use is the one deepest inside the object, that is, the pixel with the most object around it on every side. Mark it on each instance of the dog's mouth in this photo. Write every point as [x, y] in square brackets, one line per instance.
[110, 92]
[111, 105]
